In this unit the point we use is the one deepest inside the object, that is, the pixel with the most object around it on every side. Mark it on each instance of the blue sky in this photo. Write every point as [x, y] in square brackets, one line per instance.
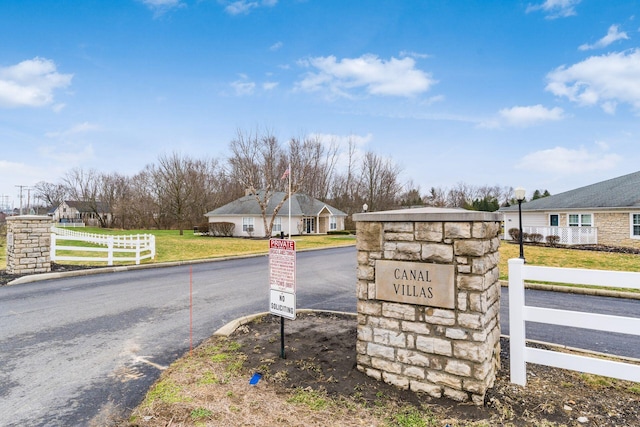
[539, 94]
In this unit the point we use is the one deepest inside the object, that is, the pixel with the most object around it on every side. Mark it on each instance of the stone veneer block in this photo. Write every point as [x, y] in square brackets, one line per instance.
[452, 352]
[28, 244]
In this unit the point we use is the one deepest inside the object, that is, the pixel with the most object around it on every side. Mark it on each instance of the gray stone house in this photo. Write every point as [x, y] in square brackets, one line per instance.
[606, 213]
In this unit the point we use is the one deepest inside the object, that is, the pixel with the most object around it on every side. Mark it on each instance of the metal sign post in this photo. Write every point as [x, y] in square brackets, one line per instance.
[282, 282]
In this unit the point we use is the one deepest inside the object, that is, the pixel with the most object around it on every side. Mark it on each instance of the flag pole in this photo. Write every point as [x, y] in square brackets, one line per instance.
[289, 199]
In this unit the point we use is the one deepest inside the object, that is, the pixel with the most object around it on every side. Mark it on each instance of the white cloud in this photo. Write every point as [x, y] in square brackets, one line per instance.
[31, 83]
[605, 80]
[531, 115]
[269, 85]
[244, 7]
[74, 130]
[162, 6]
[563, 160]
[68, 153]
[524, 116]
[555, 8]
[243, 87]
[395, 77]
[612, 35]
[416, 55]
[276, 46]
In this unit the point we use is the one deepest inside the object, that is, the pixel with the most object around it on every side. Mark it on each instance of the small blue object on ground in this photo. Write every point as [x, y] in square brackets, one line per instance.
[255, 378]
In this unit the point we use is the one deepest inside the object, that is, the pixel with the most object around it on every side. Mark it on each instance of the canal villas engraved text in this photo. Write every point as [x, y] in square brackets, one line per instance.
[415, 283]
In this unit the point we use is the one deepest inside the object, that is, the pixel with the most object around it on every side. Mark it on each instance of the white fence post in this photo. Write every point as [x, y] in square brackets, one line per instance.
[53, 247]
[110, 253]
[137, 249]
[516, 322]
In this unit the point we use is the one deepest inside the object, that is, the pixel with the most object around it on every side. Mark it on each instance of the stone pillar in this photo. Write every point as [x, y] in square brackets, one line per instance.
[429, 300]
[28, 244]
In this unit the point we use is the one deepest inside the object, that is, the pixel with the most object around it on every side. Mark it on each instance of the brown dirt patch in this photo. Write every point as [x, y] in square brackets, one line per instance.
[317, 384]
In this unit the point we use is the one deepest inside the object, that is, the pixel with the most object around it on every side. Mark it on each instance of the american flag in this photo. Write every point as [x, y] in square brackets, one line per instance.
[285, 174]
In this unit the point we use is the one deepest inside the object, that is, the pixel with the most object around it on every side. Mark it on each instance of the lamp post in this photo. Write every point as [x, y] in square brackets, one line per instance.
[520, 192]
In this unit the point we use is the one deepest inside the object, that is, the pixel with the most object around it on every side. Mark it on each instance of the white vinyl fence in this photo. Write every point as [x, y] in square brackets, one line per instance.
[519, 313]
[566, 235]
[140, 246]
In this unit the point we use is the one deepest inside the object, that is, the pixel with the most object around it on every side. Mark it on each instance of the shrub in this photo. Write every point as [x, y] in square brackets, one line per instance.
[221, 229]
[338, 232]
[553, 240]
[202, 227]
[535, 237]
[514, 233]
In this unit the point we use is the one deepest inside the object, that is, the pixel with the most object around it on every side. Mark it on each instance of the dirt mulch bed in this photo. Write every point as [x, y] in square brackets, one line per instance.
[321, 361]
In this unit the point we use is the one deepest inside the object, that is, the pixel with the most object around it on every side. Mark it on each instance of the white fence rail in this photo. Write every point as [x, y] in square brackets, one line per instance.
[519, 313]
[71, 224]
[141, 246]
[567, 235]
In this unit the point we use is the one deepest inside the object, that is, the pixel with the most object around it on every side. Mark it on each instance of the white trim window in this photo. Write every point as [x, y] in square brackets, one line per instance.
[580, 220]
[247, 224]
[333, 223]
[635, 225]
[277, 225]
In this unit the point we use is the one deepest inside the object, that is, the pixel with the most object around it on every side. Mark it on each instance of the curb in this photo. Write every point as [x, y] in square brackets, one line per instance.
[230, 327]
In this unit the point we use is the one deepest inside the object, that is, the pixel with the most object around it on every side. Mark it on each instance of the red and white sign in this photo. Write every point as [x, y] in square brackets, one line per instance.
[282, 265]
[282, 278]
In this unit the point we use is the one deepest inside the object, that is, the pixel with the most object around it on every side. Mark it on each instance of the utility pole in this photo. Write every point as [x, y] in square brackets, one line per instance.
[21, 187]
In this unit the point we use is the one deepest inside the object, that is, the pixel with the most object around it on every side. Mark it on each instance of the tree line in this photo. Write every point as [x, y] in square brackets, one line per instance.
[177, 190]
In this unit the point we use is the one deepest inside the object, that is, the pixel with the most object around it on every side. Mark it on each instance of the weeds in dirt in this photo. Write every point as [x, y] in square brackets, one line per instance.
[319, 386]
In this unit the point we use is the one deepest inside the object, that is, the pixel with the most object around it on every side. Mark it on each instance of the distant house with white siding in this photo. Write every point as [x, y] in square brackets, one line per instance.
[606, 213]
[89, 213]
[308, 216]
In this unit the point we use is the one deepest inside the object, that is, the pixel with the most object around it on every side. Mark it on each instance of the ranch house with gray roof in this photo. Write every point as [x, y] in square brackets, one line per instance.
[606, 213]
[308, 215]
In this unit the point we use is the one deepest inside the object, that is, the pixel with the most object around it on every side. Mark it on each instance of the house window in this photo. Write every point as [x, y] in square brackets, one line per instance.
[580, 220]
[635, 225]
[277, 225]
[333, 224]
[247, 224]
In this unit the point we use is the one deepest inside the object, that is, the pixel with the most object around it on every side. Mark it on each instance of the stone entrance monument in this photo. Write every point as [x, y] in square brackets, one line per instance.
[429, 300]
[28, 244]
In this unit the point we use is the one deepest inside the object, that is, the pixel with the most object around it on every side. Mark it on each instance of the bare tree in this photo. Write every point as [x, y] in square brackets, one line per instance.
[84, 186]
[437, 197]
[176, 180]
[379, 178]
[50, 194]
[260, 164]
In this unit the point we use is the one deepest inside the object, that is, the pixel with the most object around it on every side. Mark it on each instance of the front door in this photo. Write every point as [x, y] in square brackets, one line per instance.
[553, 220]
[309, 225]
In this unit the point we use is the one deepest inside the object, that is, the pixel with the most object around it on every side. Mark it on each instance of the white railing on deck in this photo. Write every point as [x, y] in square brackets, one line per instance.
[142, 246]
[519, 313]
[567, 235]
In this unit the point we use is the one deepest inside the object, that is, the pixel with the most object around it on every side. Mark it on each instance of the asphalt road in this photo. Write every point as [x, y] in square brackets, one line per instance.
[75, 351]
